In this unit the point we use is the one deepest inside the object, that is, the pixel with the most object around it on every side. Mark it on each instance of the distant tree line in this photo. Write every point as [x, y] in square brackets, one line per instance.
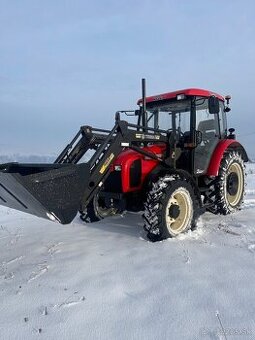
[27, 158]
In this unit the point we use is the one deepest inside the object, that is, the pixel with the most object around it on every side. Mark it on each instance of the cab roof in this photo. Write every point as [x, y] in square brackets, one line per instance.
[187, 92]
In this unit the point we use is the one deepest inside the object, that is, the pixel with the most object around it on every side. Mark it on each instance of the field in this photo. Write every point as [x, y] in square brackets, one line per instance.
[106, 281]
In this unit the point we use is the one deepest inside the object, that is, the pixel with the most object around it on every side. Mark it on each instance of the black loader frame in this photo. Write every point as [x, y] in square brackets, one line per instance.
[57, 191]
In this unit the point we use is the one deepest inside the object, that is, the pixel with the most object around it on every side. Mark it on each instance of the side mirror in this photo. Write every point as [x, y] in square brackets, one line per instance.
[213, 105]
[231, 133]
[227, 109]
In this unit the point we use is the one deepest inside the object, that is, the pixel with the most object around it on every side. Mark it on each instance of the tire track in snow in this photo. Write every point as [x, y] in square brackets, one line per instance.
[14, 259]
[42, 268]
[54, 248]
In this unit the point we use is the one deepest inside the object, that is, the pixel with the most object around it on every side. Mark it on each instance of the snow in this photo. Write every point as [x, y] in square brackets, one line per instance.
[106, 281]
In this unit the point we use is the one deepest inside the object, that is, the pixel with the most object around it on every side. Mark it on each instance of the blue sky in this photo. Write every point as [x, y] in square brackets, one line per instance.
[69, 63]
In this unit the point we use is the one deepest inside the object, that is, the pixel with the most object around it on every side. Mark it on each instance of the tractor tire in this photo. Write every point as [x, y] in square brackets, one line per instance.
[228, 189]
[171, 208]
[97, 211]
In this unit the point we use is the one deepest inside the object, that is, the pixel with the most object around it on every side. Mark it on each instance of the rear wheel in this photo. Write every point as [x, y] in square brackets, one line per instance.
[171, 208]
[97, 210]
[229, 185]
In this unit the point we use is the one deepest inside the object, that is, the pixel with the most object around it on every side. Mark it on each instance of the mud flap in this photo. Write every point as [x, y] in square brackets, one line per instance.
[51, 191]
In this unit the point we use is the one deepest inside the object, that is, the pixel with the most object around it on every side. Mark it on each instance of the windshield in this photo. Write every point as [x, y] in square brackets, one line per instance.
[171, 116]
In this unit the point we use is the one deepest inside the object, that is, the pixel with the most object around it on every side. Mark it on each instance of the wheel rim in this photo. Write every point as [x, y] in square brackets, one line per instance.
[102, 210]
[179, 211]
[234, 184]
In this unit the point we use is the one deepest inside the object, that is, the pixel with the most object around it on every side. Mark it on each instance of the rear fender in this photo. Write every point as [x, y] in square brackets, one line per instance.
[217, 155]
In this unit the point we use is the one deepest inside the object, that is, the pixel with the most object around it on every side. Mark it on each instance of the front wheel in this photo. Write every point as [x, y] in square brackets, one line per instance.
[97, 210]
[171, 208]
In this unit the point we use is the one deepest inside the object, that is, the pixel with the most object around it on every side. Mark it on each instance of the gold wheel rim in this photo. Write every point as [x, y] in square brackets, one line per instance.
[181, 201]
[233, 200]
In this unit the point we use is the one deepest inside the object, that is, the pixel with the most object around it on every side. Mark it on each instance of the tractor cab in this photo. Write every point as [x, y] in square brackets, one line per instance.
[196, 121]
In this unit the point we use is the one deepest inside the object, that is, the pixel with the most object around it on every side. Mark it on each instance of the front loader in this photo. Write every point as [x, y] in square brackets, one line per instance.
[176, 162]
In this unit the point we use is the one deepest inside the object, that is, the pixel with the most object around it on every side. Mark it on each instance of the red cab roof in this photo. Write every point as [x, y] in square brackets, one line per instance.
[186, 92]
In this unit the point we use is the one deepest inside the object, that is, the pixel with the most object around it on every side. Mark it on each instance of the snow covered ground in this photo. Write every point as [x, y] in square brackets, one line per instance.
[106, 281]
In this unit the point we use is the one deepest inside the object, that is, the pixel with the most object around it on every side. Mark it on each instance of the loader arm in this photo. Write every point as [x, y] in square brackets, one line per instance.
[58, 191]
[108, 145]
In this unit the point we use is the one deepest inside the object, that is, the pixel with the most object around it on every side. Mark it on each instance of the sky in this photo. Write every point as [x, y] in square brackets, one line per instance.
[64, 64]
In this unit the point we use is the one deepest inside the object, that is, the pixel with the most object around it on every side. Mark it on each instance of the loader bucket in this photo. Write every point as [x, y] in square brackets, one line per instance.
[51, 191]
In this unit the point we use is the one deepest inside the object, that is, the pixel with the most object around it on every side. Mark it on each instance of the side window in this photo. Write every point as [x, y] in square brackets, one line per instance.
[208, 124]
[222, 121]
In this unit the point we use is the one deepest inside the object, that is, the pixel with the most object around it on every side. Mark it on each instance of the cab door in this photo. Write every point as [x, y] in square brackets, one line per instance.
[208, 125]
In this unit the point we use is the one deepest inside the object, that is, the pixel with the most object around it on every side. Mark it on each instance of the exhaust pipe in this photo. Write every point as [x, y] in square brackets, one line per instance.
[144, 112]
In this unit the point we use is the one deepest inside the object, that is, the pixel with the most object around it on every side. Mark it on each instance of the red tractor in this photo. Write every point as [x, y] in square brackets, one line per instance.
[175, 162]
